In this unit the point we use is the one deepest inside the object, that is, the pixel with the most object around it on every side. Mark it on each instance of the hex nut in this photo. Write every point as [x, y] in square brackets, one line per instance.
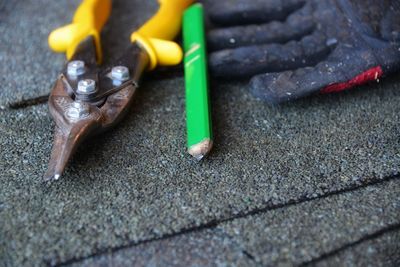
[76, 68]
[120, 73]
[86, 87]
[77, 110]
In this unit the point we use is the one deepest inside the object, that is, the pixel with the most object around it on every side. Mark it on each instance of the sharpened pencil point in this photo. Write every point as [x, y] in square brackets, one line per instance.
[199, 157]
[200, 150]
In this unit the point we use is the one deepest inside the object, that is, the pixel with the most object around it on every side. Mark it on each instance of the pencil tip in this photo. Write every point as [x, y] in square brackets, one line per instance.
[200, 150]
[199, 157]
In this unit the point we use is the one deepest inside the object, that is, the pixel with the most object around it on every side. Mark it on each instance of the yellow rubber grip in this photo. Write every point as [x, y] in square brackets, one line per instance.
[155, 36]
[88, 20]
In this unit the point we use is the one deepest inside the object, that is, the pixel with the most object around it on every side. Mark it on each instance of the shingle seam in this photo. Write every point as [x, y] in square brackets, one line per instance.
[29, 102]
[250, 256]
[215, 223]
[244, 251]
[388, 229]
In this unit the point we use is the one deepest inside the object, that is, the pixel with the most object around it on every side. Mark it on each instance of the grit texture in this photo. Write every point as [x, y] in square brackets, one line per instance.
[313, 181]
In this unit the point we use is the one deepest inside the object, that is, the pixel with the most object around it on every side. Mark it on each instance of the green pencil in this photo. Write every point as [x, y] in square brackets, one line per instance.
[198, 116]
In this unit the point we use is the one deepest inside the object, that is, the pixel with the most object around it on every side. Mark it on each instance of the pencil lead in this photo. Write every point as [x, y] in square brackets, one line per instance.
[200, 150]
[199, 157]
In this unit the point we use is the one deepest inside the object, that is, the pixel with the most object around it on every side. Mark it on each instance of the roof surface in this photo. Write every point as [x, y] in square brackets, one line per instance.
[310, 182]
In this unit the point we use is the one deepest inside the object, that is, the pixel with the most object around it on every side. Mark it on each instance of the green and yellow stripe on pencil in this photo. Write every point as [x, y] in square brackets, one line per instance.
[198, 116]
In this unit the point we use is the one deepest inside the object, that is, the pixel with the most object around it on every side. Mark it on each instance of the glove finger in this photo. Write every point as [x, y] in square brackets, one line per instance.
[338, 73]
[239, 12]
[251, 60]
[390, 24]
[297, 25]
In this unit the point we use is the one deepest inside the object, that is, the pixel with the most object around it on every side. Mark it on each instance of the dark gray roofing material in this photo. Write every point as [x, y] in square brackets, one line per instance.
[27, 64]
[348, 229]
[209, 247]
[305, 232]
[380, 250]
[136, 183]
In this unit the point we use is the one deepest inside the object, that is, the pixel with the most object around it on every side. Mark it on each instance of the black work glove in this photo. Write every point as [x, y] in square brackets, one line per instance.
[292, 48]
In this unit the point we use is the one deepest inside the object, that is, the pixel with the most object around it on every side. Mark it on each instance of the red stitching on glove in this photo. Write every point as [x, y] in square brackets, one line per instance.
[367, 76]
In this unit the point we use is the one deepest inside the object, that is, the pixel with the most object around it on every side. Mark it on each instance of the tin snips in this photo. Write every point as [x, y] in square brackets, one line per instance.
[87, 98]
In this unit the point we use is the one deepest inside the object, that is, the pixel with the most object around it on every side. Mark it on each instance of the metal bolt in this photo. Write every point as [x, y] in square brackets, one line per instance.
[120, 73]
[86, 87]
[76, 67]
[77, 110]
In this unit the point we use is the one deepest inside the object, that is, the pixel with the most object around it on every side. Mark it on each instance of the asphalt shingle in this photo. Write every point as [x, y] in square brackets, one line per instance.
[381, 251]
[28, 67]
[137, 183]
[305, 232]
[204, 248]
[322, 232]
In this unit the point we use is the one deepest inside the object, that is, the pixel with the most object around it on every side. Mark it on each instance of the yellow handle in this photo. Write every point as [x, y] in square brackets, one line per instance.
[154, 36]
[88, 20]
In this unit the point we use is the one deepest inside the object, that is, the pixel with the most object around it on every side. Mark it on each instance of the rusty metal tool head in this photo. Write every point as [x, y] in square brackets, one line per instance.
[88, 98]
[84, 102]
